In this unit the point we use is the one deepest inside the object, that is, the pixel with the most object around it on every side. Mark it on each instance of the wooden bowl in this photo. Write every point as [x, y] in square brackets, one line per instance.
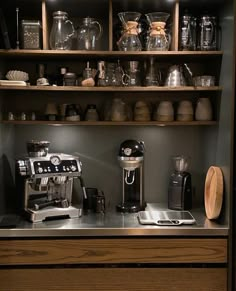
[213, 196]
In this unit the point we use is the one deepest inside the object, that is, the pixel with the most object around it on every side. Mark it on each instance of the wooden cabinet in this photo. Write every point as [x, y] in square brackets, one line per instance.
[112, 263]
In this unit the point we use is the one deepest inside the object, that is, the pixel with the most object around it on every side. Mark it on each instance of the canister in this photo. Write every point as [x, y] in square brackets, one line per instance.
[31, 34]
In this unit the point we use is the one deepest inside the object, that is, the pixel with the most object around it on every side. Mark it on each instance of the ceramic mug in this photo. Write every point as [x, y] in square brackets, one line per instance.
[203, 109]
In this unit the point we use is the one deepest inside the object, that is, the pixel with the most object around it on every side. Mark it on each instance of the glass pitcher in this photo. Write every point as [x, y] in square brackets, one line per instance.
[158, 39]
[62, 31]
[88, 34]
[129, 40]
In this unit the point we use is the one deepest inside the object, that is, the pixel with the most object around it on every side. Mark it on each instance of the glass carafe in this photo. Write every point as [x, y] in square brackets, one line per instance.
[88, 34]
[62, 31]
[187, 33]
[158, 39]
[207, 31]
[129, 40]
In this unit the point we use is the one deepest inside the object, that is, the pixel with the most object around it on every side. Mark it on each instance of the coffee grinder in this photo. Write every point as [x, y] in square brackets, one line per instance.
[180, 187]
[131, 160]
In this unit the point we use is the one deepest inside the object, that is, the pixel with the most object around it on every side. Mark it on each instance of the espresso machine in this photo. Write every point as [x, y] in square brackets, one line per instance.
[131, 160]
[180, 186]
[44, 181]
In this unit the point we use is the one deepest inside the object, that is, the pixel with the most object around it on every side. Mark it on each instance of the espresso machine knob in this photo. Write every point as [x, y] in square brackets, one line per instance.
[73, 168]
[40, 170]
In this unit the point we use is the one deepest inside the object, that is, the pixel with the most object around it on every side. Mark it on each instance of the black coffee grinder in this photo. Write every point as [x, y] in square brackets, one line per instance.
[180, 186]
[131, 160]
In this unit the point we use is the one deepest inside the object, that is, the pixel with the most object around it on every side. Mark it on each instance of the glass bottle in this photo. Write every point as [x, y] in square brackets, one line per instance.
[88, 77]
[62, 31]
[101, 78]
[152, 77]
[188, 24]
[129, 40]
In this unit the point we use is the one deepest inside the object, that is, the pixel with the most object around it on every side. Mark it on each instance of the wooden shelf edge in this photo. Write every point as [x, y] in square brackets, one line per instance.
[110, 89]
[111, 123]
[23, 52]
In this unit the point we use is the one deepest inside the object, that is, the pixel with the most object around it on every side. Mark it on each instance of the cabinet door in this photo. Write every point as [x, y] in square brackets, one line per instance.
[87, 279]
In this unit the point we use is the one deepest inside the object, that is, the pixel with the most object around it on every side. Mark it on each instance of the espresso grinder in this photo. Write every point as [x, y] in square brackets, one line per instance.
[180, 187]
[131, 160]
[44, 183]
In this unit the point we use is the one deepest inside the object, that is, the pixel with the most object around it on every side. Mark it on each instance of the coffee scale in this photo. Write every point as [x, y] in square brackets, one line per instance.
[44, 181]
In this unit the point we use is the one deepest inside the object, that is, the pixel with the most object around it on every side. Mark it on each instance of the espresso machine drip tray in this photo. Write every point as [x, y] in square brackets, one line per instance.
[53, 212]
[166, 218]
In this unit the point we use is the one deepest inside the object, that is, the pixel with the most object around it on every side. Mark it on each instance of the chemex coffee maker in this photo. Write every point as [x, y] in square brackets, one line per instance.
[180, 186]
[131, 160]
[44, 181]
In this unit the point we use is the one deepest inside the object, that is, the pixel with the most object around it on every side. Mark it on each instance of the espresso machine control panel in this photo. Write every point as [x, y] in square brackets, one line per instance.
[51, 165]
[65, 166]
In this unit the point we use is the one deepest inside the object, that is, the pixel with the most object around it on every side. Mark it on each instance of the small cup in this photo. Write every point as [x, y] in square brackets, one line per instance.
[185, 111]
[88, 204]
[165, 111]
[51, 111]
[91, 113]
[204, 81]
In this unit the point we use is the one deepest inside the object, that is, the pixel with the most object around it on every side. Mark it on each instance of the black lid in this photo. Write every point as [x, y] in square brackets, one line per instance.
[131, 148]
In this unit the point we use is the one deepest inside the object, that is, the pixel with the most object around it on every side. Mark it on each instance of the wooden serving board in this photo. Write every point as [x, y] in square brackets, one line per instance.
[213, 196]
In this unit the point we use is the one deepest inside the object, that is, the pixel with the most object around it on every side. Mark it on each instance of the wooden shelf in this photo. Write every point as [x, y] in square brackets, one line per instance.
[110, 89]
[110, 123]
[106, 54]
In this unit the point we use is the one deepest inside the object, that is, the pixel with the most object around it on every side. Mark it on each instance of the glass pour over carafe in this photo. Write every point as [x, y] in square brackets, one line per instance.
[88, 34]
[129, 40]
[62, 31]
[158, 39]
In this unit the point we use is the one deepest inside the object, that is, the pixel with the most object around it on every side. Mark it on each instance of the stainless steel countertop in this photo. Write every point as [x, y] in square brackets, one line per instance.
[114, 224]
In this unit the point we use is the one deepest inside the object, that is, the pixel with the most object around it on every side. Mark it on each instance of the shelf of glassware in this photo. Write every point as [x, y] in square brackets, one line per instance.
[110, 123]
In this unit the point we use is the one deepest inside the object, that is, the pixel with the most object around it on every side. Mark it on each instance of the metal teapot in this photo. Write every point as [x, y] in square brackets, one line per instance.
[88, 34]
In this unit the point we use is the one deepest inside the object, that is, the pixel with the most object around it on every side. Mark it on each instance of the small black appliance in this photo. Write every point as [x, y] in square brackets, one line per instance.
[180, 186]
[131, 160]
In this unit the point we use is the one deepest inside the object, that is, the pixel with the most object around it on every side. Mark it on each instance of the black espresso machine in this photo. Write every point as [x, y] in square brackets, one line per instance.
[180, 186]
[131, 160]
[44, 183]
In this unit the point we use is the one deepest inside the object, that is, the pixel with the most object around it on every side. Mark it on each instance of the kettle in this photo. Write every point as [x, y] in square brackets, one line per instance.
[88, 34]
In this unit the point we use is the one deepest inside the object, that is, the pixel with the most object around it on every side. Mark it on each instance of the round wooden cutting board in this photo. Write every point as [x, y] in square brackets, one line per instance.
[213, 195]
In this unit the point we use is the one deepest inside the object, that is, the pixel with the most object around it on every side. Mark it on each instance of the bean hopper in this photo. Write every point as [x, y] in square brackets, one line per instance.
[180, 187]
[44, 182]
[131, 160]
